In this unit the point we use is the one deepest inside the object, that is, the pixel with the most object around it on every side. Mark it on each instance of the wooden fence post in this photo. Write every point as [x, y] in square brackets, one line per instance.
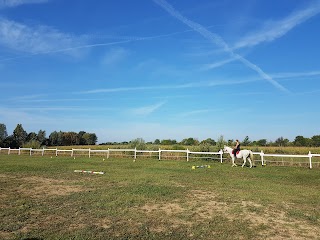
[262, 159]
[310, 161]
[187, 155]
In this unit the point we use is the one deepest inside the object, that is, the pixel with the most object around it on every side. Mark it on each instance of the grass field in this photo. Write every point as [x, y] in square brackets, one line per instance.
[42, 198]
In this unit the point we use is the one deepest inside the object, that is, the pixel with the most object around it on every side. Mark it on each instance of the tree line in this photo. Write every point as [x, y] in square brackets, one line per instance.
[20, 138]
[299, 141]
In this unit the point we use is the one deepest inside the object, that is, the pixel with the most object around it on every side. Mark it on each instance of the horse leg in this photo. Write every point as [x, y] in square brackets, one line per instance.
[244, 161]
[233, 159]
[250, 162]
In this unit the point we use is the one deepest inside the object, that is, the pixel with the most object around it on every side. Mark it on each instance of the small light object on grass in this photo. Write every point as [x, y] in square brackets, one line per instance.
[88, 171]
[202, 166]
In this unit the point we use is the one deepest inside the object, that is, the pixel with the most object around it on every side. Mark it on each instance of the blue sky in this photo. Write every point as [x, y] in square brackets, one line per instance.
[157, 69]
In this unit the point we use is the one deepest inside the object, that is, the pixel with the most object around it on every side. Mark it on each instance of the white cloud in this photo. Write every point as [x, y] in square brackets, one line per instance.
[218, 41]
[35, 40]
[146, 110]
[276, 29]
[15, 3]
[115, 56]
[218, 64]
[197, 84]
[296, 74]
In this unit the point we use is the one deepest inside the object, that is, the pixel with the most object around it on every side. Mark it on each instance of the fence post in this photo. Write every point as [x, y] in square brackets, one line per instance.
[89, 152]
[108, 153]
[42, 151]
[310, 162]
[135, 153]
[19, 151]
[159, 154]
[221, 155]
[9, 151]
[72, 152]
[187, 155]
[262, 160]
[30, 151]
[56, 152]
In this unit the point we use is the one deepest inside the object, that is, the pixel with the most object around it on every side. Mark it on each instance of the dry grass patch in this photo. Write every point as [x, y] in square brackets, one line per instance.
[39, 187]
[205, 205]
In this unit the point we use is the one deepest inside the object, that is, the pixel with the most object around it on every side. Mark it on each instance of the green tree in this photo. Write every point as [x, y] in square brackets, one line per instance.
[300, 141]
[32, 144]
[230, 142]
[246, 141]
[89, 138]
[31, 136]
[82, 140]
[41, 137]
[3, 133]
[221, 142]
[10, 142]
[189, 141]
[168, 142]
[157, 141]
[19, 135]
[138, 143]
[209, 141]
[316, 140]
[282, 142]
[53, 139]
[70, 138]
[262, 142]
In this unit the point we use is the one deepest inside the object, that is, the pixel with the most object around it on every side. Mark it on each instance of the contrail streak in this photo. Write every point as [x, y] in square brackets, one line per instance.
[127, 40]
[216, 39]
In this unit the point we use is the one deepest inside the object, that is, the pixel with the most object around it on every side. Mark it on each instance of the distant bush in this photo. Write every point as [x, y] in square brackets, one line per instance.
[34, 144]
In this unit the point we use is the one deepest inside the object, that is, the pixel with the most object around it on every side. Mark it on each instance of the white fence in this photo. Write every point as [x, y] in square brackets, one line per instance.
[159, 154]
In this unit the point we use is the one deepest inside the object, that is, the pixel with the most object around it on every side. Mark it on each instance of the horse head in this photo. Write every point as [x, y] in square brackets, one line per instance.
[225, 149]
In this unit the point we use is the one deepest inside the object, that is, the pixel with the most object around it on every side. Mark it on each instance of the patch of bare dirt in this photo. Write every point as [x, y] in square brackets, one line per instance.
[203, 205]
[39, 186]
[6, 235]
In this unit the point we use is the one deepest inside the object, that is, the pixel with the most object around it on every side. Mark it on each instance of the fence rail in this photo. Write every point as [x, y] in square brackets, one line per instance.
[160, 154]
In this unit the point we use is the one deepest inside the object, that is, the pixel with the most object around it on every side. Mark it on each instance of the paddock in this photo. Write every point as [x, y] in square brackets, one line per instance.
[44, 198]
[309, 160]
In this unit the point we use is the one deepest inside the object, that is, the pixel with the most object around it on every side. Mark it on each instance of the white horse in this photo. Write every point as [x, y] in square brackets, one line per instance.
[244, 154]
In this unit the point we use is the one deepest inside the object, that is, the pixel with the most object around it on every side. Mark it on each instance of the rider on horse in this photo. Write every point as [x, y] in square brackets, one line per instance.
[236, 148]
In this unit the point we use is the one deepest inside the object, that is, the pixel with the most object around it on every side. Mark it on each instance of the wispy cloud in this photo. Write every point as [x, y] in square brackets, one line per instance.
[114, 56]
[35, 40]
[146, 110]
[45, 40]
[217, 40]
[198, 84]
[195, 112]
[296, 74]
[217, 64]
[15, 3]
[28, 97]
[276, 29]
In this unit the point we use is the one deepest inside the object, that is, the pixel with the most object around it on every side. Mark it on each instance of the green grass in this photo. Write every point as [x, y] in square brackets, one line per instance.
[42, 198]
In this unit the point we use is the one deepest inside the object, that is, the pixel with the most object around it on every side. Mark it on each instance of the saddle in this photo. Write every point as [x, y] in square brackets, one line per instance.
[235, 151]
